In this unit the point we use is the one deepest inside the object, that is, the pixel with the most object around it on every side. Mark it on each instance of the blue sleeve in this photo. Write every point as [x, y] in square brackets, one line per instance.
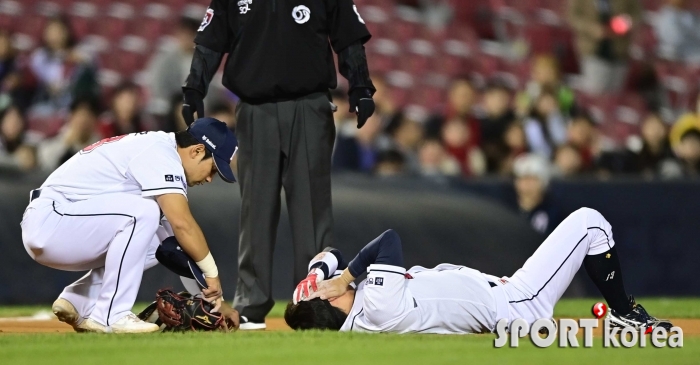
[385, 250]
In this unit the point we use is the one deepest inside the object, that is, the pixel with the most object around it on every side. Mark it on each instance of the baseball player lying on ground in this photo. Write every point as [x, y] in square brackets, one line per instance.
[451, 299]
[103, 211]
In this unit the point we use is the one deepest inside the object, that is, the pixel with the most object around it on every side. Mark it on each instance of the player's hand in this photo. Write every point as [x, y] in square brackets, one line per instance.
[232, 319]
[307, 286]
[213, 292]
[362, 104]
[333, 288]
[192, 101]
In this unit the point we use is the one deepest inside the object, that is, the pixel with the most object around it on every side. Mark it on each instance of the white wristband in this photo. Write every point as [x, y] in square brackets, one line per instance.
[208, 266]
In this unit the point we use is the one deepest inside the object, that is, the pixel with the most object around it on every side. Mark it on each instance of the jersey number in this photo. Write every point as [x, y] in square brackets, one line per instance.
[91, 147]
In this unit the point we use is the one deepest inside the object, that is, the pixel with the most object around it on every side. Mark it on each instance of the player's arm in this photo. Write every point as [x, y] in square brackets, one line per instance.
[191, 239]
[326, 265]
[212, 42]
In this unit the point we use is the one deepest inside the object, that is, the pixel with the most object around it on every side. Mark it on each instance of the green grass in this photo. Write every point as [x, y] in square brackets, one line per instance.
[574, 308]
[334, 348]
[313, 347]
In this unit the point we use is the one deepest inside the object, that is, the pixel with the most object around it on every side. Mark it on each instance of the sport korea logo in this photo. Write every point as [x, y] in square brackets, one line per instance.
[301, 14]
[207, 19]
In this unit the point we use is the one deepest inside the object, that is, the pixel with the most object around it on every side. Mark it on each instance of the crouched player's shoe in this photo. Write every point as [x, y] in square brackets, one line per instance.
[638, 318]
[248, 325]
[127, 324]
[65, 312]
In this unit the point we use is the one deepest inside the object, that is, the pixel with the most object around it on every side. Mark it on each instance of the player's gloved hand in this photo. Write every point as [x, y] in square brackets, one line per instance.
[213, 292]
[333, 288]
[192, 101]
[307, 286]
[362, 104]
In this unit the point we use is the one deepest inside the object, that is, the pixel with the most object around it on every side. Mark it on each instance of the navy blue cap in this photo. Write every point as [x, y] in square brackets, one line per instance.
[171, 255]
[219, 140]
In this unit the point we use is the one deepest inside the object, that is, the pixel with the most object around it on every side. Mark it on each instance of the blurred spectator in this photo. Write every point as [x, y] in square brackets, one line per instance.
[225, 113]
[356, 149]
[384, 103]
[461, 100]
[656, 148]
[435, 162]
[17, 145]
[649, 155]
[678, 31]
[532, 174]
[79, 131]
[390, 163]
[568, 161]
[497, 116]
[62, 72]
[545, 128]
[461, 143]
[545, 75]
[688, 151]
[125, 115]
[169, 68]
[9, 76]
[406, 133]
[603, 30]
[582, 134]
[516, 145]
[173, 120]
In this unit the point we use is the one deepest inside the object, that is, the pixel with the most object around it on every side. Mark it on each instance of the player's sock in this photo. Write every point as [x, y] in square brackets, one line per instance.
[604, 270]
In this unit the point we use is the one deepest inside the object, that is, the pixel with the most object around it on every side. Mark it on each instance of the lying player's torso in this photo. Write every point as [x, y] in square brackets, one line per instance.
[446, 299]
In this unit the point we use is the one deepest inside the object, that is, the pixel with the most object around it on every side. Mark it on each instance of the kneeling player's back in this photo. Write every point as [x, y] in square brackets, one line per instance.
[145, 163]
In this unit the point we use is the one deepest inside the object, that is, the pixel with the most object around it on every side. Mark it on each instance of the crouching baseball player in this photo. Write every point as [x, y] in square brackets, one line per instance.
[450, 299]
[101, 211]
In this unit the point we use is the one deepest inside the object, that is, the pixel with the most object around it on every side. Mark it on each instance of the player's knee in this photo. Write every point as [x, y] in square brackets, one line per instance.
[588, 213]
[391, 235]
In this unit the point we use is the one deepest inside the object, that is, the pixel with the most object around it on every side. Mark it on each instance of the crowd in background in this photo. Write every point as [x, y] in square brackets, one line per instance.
[53, 104]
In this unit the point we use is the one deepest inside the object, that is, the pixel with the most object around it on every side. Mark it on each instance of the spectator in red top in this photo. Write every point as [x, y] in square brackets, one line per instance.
[61, 71]
[125, 114]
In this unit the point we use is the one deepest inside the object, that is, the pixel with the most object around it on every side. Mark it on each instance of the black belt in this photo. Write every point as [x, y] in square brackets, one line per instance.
[492, 284]
[34, 194]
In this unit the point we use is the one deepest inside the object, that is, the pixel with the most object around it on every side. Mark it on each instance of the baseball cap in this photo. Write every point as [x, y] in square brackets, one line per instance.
[532, 164]
[219, 140]
[171, 255]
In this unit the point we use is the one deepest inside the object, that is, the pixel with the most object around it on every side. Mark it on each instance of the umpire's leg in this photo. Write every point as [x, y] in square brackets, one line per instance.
[259, 169]
[308, 133]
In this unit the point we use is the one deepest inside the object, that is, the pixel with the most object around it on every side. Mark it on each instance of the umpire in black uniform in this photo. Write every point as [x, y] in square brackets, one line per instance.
[280, 64]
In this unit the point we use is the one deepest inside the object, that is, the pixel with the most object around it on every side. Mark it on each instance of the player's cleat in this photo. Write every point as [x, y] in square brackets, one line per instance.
[638, 318]
[65, 312]
[128, 324]
[248, 325]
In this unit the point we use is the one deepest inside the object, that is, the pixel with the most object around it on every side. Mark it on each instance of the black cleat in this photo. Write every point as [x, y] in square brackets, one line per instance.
[638, 318]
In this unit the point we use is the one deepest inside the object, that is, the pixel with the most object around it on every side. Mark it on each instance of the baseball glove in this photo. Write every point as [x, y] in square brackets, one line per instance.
[180, 312]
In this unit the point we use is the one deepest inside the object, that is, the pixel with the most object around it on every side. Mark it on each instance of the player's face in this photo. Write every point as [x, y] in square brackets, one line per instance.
[198, 170]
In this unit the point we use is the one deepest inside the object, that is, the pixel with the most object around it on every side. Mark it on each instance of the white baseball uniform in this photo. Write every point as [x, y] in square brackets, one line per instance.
[98, 212]
[451, 299]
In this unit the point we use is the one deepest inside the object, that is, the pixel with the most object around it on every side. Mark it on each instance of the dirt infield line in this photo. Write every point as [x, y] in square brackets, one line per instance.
[691, 327]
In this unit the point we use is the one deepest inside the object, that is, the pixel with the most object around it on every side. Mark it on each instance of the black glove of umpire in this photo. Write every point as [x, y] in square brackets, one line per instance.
[193, 101]
[362, 104]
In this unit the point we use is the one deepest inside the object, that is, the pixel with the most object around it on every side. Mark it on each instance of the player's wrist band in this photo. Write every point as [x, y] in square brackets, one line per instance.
[208, 266]
[347, 277]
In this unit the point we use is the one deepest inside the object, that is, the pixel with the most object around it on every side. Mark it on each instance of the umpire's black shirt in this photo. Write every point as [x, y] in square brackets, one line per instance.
[279, 49]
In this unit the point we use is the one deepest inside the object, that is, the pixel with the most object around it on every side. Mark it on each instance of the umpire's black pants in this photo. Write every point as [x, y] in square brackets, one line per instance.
[281, 144]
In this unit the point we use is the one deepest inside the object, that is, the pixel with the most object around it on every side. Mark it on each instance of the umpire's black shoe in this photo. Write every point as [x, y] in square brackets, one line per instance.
[638, 318]
[247, 324]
